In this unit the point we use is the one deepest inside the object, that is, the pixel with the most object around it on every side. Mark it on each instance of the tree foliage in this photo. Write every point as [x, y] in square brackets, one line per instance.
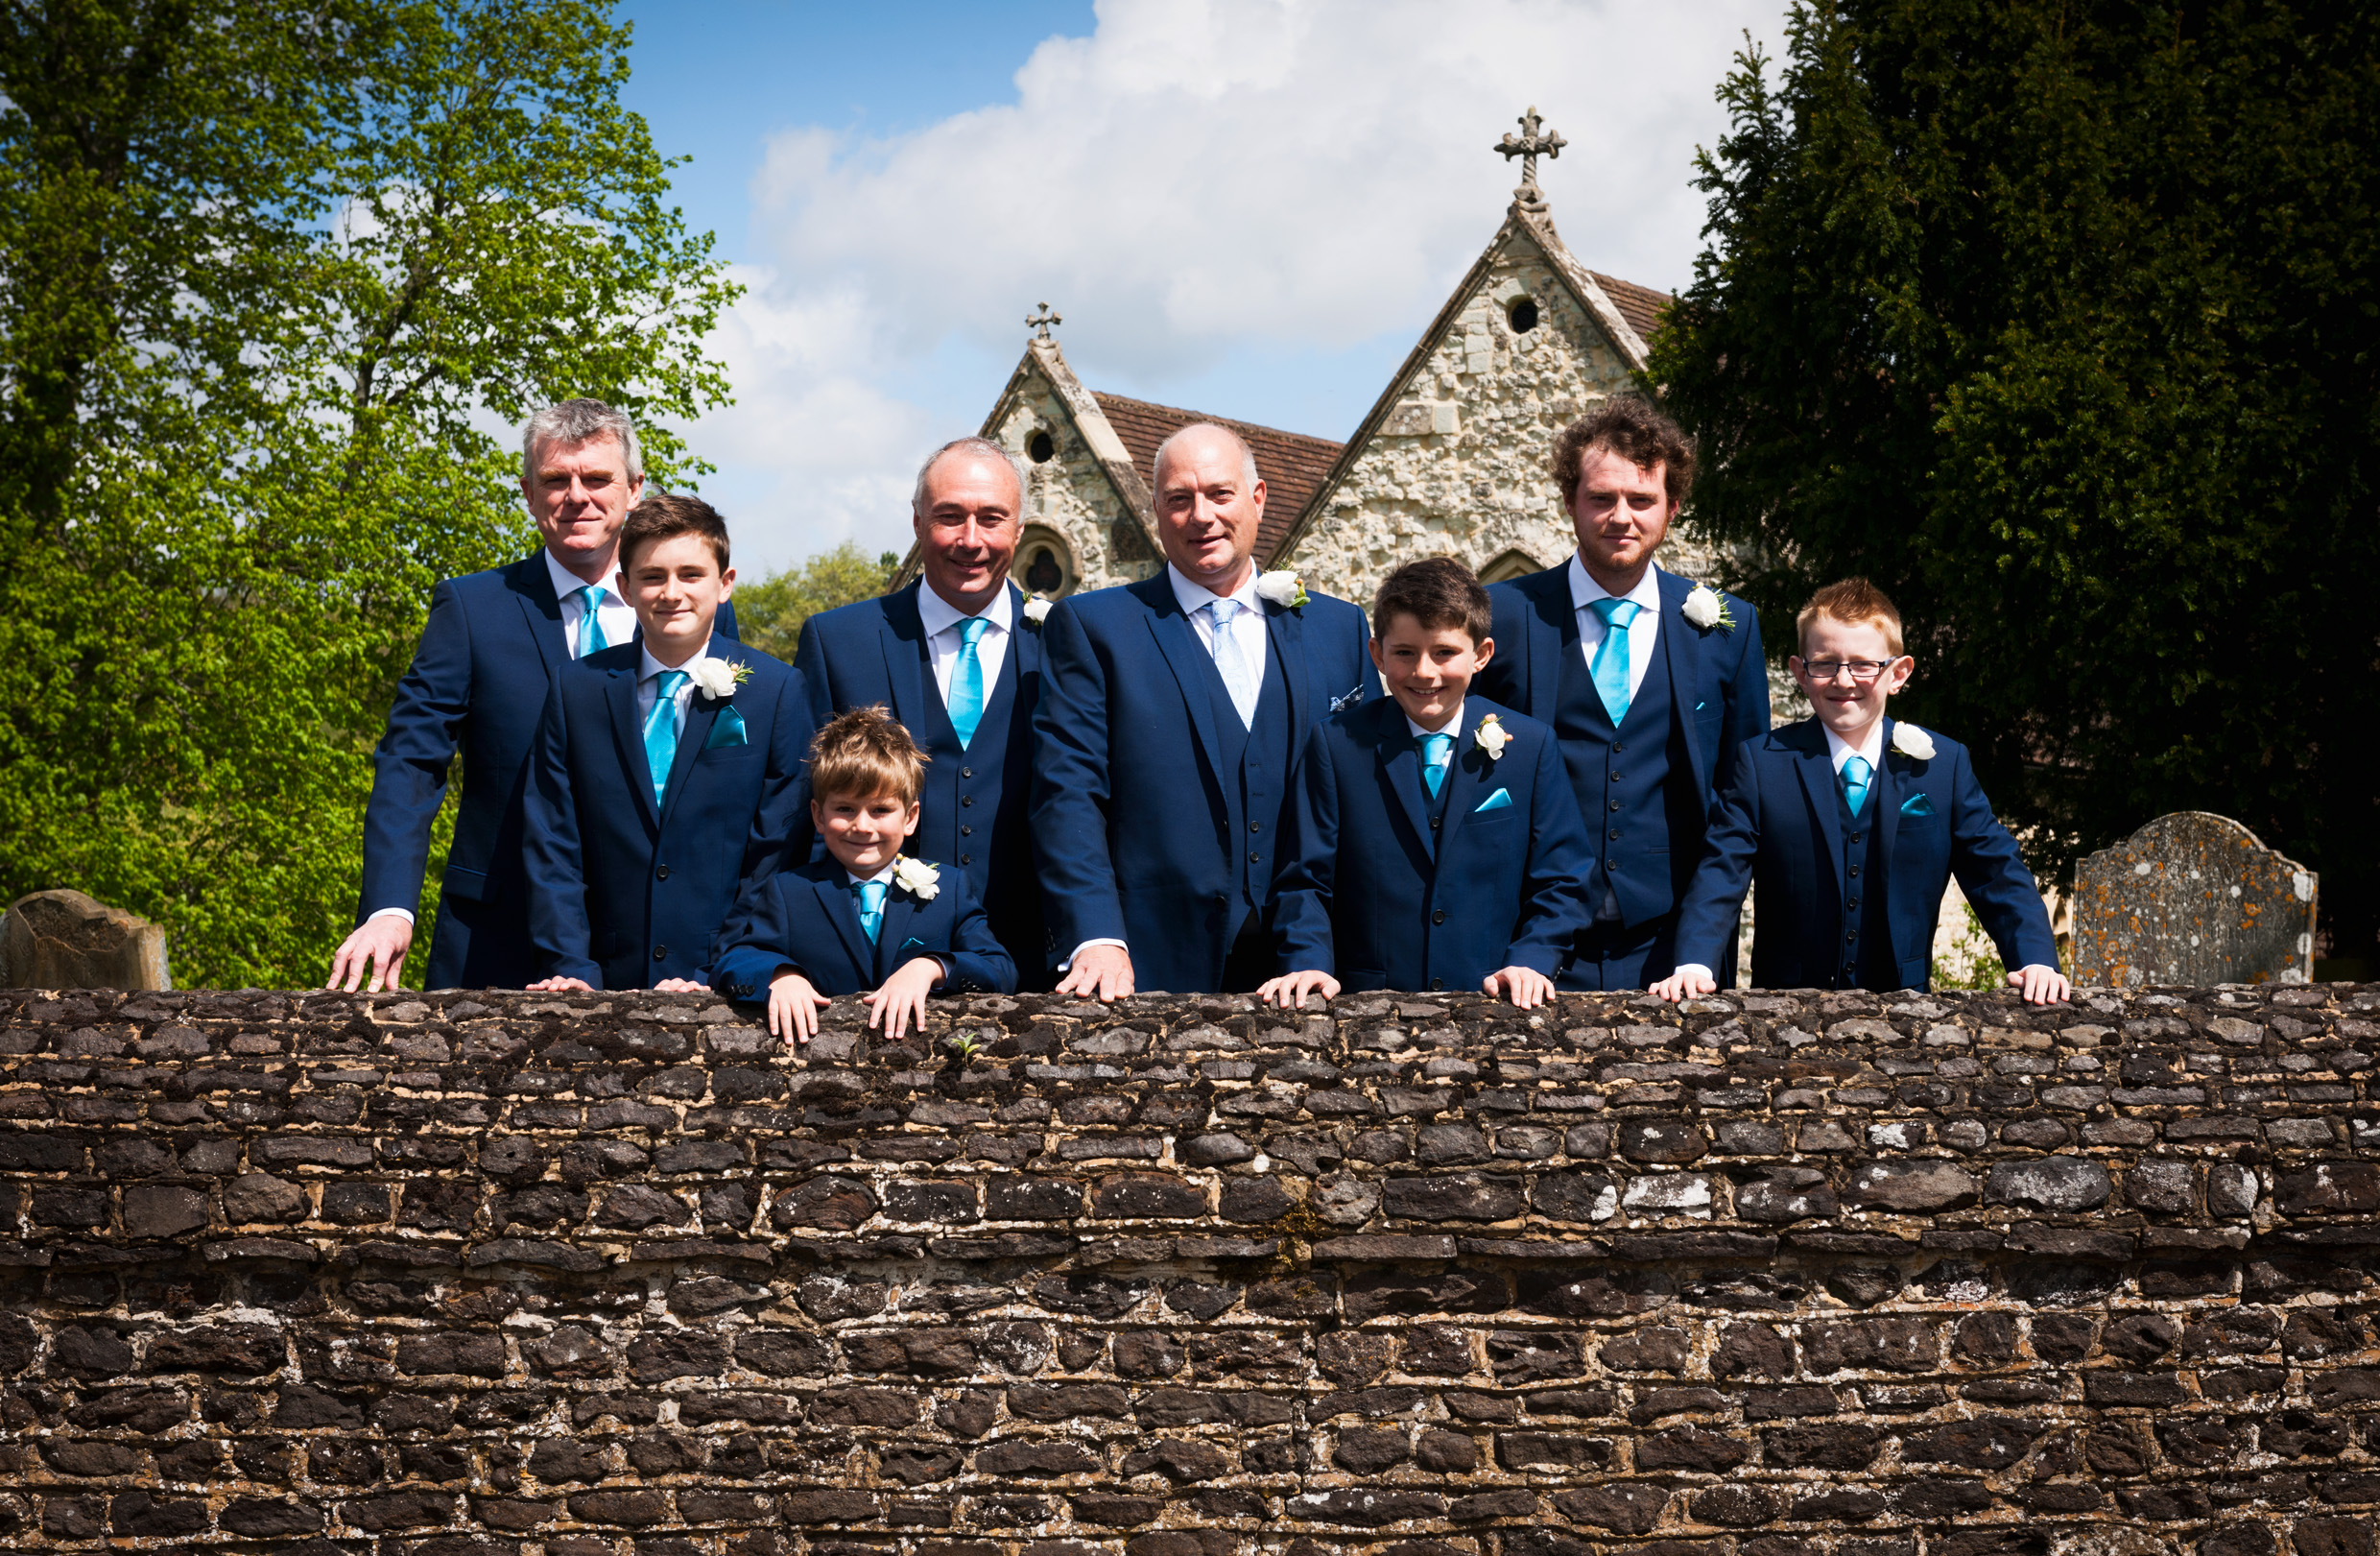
[768, 613]
[2060, 321]
[265, 273]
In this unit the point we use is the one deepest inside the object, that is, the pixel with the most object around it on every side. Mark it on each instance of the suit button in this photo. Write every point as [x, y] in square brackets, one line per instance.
[1615, 804]
[1254, 858]
[1850, 937]
[1615, 834]
[660, 871]
[966, 859]
[661, 953]
[1854, 902]
[1222, 899]
[1855, 871]
[967, 772]
[1615, 747]
[1255, 827]
[966, 800]
[1440, 917]
[1438, 983]
[1437, 821]
[1855, 837]
[966, 831]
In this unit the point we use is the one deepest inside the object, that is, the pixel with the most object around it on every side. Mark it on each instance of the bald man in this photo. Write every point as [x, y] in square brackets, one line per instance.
[1171, 710]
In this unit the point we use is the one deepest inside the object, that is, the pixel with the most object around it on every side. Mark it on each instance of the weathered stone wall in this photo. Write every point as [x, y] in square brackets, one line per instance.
[1460, 466]
[1770, 1275]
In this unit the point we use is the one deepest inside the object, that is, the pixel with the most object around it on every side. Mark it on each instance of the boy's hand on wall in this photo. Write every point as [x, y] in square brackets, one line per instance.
[903, 995]
[794, 1006]
[1290, 990]
[1525, 987]
[1690, 981]
[2042, 985]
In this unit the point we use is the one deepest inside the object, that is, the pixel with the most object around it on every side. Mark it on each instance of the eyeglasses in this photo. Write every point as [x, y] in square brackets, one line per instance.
[1862, 671]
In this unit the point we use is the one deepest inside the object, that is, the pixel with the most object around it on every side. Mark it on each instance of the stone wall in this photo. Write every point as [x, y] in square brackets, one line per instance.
[1770, 1275]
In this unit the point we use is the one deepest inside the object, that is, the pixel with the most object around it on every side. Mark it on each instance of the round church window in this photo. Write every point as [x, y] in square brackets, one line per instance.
[1041, 447]
[1522, 316]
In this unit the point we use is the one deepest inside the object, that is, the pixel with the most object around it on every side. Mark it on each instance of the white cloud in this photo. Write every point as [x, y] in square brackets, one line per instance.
[1196, 178]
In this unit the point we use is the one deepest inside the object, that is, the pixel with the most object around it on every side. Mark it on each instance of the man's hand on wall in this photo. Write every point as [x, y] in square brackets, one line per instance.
[377, 946]
[1101, 971]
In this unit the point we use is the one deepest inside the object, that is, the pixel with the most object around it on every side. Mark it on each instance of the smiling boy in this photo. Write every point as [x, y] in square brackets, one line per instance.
[866, 918]
[663, 770]
[1435, 841]
[1850, 824]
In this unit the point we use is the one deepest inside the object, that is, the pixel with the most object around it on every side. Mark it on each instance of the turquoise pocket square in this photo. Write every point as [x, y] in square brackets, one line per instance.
[1501, 800]
[728, 729]
[1917, 804]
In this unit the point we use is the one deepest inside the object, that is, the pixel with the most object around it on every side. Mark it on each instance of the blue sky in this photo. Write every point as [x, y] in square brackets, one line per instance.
[1251, 208]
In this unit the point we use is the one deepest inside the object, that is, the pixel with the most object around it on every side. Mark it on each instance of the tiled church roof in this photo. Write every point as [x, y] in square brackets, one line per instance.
[1292, 464]
[1640, 306]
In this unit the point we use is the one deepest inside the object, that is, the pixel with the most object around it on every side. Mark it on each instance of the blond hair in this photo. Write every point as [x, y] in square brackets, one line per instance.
[865, 753]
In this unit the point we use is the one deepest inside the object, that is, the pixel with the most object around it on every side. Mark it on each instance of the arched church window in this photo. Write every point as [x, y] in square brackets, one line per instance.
[1511, 565]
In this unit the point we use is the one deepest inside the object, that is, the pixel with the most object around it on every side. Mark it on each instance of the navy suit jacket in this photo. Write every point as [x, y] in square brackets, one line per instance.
[477, 685]
[622, 892]
[876, 652]
[1776, 825]
[808, 919]
[1377, 890]
[1137, 824]
[1719, 697]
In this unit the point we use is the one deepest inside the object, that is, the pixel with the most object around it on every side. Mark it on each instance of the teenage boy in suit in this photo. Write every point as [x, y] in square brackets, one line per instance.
[1435, 842]
[865, 917]
[1851, 823]
[1652, 681]
[956, 656]
[664, 769]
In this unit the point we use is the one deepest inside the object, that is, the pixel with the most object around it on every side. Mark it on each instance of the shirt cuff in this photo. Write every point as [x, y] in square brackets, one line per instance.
[1086, 945]
[405, 914]
[1684, 968]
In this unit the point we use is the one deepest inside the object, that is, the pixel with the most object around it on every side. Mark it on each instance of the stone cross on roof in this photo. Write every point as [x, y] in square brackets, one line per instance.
[1041, 322]
[1526, 146]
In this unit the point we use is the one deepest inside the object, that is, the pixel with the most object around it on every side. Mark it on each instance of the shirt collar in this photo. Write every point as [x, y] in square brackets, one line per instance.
[567, 583]
[1454, 726]
[1195, 596]
[1872, 748]
[1585, 591]
[939, 615]
[648, 666]
[884, 875]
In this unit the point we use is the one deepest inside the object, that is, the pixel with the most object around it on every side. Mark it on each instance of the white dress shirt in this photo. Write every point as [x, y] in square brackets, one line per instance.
[648, 686]
[884, 875]
[1643, 633]
[943, 641]
[1452, 726]
[619, 621]
[1870, 745]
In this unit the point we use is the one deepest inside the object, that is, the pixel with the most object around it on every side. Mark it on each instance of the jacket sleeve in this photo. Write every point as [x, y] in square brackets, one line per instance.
[1991, 872]
[550, 849]
[977, 962]
[1554, 907]
[1307, 865]
[412, 761]
[1748, 697]
[758, 941]
[1071, 795]
[1729, 846]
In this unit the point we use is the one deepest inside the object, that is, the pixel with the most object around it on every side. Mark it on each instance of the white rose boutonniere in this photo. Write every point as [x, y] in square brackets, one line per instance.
[917, 877]
[1280, 587]
[1491, 737]
[715, 679]
[1707, 608]
[1911, 741]
[1035, 609]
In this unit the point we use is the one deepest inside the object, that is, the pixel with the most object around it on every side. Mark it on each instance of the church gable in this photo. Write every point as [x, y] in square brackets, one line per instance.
[1086, 519]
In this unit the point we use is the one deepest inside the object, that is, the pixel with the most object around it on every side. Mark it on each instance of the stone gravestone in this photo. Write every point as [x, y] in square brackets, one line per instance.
[2192, 898]
[65, 940]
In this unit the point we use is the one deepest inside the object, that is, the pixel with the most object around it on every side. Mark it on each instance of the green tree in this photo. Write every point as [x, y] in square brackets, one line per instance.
[2057, 321]
[265, 273]
[769, 613]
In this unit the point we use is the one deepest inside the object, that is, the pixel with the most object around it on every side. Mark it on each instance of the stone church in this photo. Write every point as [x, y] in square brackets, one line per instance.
[1452, 459]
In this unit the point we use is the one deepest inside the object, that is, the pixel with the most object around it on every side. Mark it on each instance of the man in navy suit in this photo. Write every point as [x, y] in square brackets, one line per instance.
[1172, 713]
[477, 685]
[665, 770]
[1434, 843]
[1650, 682]
[956, 657]
[1853, 824]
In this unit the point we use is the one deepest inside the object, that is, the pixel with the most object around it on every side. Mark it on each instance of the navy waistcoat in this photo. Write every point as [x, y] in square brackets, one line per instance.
[1622, 777]
[1864, 936]
[1256, 762]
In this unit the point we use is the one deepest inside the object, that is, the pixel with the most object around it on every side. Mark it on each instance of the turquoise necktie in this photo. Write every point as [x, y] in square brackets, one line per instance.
[966, 682]
[1436, 751]
[870, 894]
[1856, 774]
[1611, 666]
[662, 730]
[591, 637]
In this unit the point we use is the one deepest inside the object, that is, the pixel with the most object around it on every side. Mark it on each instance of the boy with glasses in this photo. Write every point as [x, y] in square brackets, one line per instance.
[1853, 824]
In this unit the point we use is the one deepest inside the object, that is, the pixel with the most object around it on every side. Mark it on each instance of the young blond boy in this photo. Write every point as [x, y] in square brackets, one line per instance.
[1851, 823]
[866, 918]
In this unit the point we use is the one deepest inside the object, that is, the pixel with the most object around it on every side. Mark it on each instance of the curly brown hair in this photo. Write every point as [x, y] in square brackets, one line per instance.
[1633, 428]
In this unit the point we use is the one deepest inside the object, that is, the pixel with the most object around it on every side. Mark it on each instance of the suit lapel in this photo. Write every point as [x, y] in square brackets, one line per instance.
[541, 608]
[842, 910]
[630, 730]
[1817, 781]
[1179, 642]
[1470, 778]
[1682, 648]
[900, 909]
[1285, 630]
[902, 633]
[1885, 795]
[1024, 642]
[1399, 764]
[700, 714]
